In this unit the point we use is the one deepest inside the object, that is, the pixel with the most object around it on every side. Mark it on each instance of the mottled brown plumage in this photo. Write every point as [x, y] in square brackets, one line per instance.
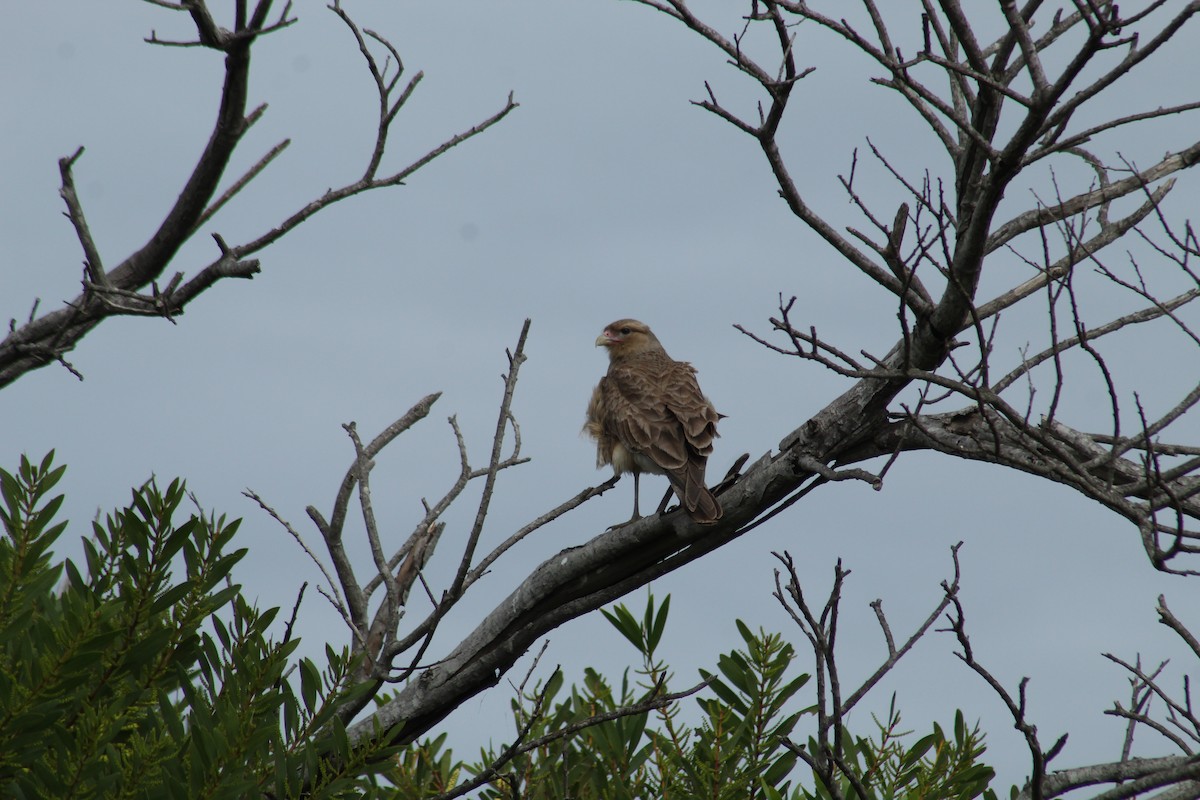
[649, 415]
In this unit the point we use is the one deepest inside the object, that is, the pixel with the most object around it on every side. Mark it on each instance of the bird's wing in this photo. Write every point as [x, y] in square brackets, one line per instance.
[690, 407]
[636, 414]
[697, 421]
[655, 407]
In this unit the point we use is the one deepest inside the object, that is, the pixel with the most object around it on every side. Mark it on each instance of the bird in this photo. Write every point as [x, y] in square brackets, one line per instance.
[647, 414]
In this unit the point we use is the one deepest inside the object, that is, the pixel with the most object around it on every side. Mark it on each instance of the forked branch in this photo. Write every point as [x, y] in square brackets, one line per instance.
[122, 289]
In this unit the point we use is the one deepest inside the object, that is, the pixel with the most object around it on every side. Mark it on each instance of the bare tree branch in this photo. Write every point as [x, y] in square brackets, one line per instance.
[120, 290]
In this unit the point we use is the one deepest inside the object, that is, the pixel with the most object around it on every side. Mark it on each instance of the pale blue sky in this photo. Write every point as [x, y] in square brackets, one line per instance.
[605, 195]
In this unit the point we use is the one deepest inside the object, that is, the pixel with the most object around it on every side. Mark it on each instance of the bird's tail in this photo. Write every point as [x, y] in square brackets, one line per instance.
[701, 504]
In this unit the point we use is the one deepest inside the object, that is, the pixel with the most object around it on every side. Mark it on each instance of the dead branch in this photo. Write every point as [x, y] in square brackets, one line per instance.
[829, 762]
[121, 290]
[1039, 756]
[1038, 77]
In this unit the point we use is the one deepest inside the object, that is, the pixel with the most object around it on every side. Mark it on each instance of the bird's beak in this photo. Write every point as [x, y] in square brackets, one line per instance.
[603, 340]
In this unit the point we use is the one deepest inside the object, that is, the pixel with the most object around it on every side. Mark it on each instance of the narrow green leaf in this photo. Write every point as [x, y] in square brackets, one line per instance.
[918, 750]
[310, 684]
[623, 621]
[659, 625]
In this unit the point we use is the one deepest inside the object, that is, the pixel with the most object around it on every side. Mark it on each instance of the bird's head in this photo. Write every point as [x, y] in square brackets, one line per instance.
[627, 337]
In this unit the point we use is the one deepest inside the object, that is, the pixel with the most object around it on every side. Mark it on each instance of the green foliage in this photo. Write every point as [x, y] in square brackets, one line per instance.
[608, 760]
[934, 766]
[146, 673]
[424, 769]
[741, 747]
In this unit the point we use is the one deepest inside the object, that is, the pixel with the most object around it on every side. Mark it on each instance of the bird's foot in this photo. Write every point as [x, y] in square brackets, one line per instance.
[629, 521]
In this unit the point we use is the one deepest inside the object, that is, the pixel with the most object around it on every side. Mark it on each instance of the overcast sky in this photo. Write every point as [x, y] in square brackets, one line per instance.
[605, 195]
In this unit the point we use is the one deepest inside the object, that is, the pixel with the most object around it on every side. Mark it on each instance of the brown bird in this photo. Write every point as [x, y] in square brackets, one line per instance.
[649, 415]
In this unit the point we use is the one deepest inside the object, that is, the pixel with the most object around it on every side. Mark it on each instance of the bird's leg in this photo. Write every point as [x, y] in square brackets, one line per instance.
[636, 514]
[666, 499]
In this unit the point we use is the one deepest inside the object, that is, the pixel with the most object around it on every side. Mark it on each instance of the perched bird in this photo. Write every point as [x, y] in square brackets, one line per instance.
[649, 415]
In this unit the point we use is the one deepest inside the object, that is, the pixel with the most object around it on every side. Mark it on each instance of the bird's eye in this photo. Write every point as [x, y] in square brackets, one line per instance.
[624, 331]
